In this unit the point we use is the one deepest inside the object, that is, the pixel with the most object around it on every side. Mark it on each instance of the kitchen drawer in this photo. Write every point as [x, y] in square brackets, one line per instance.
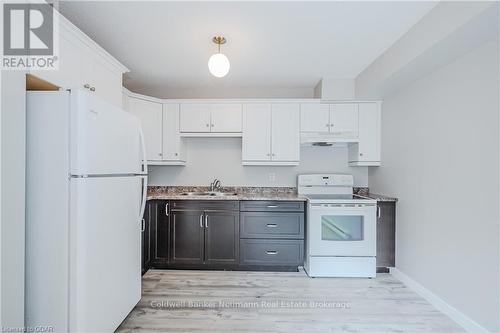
[205, 205]
[271, 225]
[272, 206]
[271, 252]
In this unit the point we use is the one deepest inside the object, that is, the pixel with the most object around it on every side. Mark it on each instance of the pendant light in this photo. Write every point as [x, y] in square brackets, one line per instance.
[218, 64]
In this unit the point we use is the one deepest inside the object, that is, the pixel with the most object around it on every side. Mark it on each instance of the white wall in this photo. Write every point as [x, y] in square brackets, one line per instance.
[447, 31]
[13, 135]
[210, 158]
[228, 91]
[440, 157]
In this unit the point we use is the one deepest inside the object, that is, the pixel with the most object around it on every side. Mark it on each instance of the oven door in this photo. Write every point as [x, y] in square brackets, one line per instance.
[342, 230]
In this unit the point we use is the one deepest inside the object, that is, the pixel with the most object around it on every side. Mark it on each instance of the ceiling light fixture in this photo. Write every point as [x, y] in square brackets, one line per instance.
[218, 64]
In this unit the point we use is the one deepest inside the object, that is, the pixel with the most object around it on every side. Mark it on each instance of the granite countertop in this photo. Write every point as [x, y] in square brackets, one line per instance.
[243, 193]
[380, 197]
[365, 191]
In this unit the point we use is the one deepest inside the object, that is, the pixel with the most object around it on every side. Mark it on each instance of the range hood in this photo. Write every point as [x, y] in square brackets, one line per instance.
[312, 139]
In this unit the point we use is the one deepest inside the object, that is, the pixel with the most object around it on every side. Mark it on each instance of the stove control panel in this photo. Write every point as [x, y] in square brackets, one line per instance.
[325, 180]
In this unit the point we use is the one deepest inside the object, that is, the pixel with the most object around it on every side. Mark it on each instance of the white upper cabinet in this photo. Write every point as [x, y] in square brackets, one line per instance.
[285, 129]
[71, 63]
[160, 125]
[104, 80]
[150, 114]
[210, 118]
[367, 151]
[174, 148]
[344, 120]
[271, 134]
[338, 120]
[84, 64]
[195, 118]
[226, 118]
[256, 140]
[270, 130]
[314, 117]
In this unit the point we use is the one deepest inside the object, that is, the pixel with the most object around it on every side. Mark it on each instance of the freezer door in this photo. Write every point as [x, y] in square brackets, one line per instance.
[103, 138]
[105, 253]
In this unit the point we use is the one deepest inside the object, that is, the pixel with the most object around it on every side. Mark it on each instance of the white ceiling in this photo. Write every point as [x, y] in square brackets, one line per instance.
[271, 45]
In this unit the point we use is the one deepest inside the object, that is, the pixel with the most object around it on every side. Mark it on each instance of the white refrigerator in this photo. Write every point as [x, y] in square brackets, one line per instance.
[85, 190]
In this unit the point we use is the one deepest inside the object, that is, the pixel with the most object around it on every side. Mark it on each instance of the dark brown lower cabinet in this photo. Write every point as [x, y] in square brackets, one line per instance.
[146, 236]
[222, 237]
[160, 231]
[205, 233]
[386, 234]
[187, 237]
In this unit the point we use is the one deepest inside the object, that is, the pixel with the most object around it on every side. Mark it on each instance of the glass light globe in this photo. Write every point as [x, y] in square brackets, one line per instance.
[218, 65]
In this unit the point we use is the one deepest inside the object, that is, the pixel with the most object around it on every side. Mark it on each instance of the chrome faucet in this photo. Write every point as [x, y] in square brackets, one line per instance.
[215, 185]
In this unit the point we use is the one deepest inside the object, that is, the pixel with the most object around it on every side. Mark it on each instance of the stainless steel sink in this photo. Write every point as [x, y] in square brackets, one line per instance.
[211, 194]
[224, 194]
[194, 193]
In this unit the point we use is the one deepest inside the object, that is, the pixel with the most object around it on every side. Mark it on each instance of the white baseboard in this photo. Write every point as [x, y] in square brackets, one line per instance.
[468, 324]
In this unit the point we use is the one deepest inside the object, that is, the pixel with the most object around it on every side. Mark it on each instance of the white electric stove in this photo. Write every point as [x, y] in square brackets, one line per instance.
[341, 232]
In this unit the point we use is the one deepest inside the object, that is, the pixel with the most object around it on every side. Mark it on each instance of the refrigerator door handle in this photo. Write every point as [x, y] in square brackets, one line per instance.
[144, 166]
[144, 196]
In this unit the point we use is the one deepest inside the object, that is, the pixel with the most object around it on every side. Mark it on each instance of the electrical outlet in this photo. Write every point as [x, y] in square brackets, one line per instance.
[272, 177]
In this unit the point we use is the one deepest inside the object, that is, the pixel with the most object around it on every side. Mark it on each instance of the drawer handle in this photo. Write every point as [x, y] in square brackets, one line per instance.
[271, 252]
[272, 206]
[271, 225]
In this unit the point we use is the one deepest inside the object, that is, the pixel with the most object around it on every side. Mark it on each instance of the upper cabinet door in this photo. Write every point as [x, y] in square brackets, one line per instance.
[256, 140]
[195, 117]
[226, 118]
[150, 114]
[104, 80]
[369, 133]
[344, 120]
[314, 117]
[285, 140]
[173, 147]
[70, 72]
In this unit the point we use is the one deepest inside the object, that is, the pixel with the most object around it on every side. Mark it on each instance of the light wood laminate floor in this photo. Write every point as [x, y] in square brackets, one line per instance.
[218, 301]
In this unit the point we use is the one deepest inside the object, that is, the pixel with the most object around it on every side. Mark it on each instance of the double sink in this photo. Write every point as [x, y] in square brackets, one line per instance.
[210, 194]
[215, 191]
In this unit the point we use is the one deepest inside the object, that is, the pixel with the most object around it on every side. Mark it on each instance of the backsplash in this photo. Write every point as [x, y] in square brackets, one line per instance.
[221, 158]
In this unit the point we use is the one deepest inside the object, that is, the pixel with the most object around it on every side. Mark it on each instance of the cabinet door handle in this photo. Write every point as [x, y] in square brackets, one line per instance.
[201, 221]
[271, 225]
[86, 86]
[143, 225]
[211, 125]
[206, 221]
[272, 206]
[272, 252]
[378, 212]
[166, 209]
[327, 125]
